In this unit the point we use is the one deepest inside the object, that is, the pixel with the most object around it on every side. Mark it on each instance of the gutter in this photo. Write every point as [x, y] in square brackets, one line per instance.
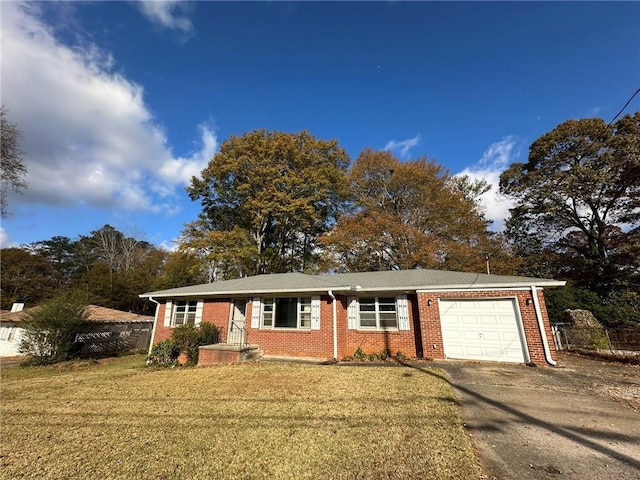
[335, 325]
[155, 323]
[545, 344]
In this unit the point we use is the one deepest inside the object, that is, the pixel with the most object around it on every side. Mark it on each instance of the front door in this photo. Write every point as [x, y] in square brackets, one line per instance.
[236, 323]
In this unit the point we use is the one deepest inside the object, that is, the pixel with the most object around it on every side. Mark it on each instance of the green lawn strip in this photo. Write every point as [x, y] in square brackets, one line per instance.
[116, 420]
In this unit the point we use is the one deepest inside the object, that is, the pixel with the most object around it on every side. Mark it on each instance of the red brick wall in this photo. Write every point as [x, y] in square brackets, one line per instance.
[319, 343]
[214, 311]
[296, 343]
[213, 357]
[432, 333]
[376, 341]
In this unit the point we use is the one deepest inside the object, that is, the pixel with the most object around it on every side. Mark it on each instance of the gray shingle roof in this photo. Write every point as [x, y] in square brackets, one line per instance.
[364, 281]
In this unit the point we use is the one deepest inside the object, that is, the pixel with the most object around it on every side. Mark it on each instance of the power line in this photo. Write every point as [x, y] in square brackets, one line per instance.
[625, 106]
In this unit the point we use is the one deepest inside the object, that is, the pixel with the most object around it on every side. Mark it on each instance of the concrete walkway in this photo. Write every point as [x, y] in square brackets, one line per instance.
[579, 421]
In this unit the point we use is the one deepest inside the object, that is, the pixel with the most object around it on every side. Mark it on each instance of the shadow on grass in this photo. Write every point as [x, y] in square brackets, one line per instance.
[567, 433]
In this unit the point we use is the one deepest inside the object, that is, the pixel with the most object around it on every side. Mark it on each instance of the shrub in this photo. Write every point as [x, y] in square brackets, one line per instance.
[189, 338]
[164, 353]
[209, 334]
[360, 355]
[51, 329]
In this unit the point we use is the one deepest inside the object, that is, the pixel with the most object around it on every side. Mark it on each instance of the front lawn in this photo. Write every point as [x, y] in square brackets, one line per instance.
[116, 419]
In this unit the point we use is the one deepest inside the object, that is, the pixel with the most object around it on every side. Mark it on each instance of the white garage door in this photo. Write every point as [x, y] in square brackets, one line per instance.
[481, 330]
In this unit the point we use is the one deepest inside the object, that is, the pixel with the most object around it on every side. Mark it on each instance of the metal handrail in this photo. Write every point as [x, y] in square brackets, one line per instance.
[237, 335]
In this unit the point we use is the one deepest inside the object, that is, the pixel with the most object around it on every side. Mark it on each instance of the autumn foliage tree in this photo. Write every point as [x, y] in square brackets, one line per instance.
[409, 215]
[266, 197]
[578, 199]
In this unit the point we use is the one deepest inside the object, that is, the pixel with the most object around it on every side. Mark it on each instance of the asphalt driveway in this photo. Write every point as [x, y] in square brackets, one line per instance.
[579, 421]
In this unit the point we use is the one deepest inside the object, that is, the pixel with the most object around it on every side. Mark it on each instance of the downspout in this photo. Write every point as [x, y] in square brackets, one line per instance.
[545, 344]
[155, 323]
[335, 325]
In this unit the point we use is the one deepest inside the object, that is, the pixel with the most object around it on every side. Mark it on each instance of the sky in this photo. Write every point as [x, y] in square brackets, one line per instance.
[121, 103]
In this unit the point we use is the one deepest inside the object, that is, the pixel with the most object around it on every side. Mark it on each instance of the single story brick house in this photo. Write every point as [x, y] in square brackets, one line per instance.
[421, 313]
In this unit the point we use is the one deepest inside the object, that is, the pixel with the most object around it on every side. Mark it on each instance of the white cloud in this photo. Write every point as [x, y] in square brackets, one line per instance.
[169, 245]
[89, 138]
[404, 146]
[494, 161]
[182, 169]
[168, 14]
[5, 241]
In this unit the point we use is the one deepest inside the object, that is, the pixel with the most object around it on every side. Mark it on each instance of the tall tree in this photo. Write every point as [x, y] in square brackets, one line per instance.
[24, 278]
[266, 197]
[409, 215]
[12, 167]
[581, 181]
[59, 251]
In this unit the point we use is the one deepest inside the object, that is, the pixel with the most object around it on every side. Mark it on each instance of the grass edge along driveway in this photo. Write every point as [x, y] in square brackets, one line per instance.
[116, 419]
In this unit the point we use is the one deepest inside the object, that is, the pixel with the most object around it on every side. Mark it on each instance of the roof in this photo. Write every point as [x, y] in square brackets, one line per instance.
[95, 313]
[397, 280]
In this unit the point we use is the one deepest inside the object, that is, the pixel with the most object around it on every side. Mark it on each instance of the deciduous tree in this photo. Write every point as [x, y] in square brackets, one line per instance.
[581, 182]
[409, 215]
[12, 167]
[25, 277]
[266, 196]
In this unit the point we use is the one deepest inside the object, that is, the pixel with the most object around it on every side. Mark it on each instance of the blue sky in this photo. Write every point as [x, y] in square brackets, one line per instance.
[121, 103]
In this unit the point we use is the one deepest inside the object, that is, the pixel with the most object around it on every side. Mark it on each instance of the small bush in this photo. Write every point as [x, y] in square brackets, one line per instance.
[209, 334]
[164, 353]
[189, 338]
[51, 329]
[384, 355]
[400, 356]
[360, 355]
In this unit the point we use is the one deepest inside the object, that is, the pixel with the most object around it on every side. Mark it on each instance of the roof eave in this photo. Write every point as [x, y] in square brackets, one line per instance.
[244, 292]
[494, 286]
[353, 289]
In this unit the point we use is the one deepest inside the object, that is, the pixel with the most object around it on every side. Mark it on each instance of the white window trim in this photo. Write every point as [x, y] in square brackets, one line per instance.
[378, 327]
[199, 306]
[402, 315]
[314, 324]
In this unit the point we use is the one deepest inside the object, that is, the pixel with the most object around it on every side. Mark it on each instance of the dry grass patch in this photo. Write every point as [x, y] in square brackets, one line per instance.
[118, 420]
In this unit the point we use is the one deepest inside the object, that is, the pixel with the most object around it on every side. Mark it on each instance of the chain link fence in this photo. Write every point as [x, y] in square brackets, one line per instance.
[624, 341]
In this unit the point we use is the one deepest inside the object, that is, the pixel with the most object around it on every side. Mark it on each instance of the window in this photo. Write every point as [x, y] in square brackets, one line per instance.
[185, 312]
[5, 333]
[378, 313]
[286, 313]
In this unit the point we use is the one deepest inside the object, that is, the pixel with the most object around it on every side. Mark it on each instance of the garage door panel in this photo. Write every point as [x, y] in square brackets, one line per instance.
[481, 330]
[452, 336]
[490, 320]
[470, 335]
[492, 336]
[489, 306]
[509, 337]
[493, 352]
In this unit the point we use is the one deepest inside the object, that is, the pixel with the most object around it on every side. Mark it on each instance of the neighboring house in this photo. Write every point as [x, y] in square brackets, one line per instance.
[108, 329]
[421, 313]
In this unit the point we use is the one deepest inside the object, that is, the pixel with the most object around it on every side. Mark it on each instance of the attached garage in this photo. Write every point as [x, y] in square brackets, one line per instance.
[482, 329]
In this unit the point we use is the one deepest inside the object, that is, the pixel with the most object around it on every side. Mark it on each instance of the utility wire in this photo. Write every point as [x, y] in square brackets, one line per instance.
[625, 106]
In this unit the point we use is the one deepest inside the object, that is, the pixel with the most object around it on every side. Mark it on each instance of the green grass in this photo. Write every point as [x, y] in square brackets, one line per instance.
[116, 419]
